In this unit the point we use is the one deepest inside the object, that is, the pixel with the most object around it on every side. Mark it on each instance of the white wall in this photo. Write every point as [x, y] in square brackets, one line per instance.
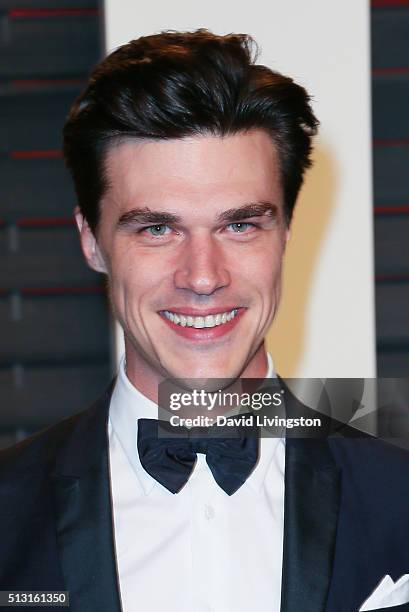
[325, 327]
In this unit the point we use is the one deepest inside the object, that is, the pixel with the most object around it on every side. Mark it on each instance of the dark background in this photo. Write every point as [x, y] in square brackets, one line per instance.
[55, 329]
[55, 336]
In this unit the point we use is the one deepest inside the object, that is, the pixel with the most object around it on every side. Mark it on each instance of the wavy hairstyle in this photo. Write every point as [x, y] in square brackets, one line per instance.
[179, 84]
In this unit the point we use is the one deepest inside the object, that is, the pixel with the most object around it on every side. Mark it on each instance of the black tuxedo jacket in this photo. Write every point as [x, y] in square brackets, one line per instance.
[346, 518]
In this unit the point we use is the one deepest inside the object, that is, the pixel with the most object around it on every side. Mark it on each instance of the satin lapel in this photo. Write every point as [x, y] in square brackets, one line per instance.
[312, 492]
[84, 515]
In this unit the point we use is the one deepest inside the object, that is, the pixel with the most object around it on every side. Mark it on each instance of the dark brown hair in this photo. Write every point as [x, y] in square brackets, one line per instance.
[178, 84]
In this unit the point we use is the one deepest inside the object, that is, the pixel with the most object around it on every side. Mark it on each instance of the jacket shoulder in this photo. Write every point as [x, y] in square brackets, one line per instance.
[373, 465]
[39, 448]
[370, 451]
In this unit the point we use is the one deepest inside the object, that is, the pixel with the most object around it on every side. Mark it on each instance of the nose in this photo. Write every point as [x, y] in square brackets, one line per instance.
[202, 266]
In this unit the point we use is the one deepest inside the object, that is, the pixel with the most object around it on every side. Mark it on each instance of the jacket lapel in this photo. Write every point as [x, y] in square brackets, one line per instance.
[312, 492]
[83, 508]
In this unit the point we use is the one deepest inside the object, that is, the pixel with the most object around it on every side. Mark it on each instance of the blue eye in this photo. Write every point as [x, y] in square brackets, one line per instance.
[240, 227]
[157, 230]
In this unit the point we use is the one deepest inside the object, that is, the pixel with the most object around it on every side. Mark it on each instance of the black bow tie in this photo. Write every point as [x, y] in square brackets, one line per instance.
[171, 460]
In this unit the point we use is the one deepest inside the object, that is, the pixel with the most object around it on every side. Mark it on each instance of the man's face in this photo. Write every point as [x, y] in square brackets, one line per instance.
[192, 235]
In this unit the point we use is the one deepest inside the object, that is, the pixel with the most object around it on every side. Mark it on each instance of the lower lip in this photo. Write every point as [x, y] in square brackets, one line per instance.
[205, 333]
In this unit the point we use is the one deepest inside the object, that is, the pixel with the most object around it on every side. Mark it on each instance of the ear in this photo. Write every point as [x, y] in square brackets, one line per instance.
[89, 245]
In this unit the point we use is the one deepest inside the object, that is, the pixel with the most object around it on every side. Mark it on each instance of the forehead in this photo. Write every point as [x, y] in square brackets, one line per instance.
[198, 170]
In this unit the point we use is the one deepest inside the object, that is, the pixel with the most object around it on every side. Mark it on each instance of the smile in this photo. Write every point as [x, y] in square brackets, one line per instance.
[200, 322]
[202, 327]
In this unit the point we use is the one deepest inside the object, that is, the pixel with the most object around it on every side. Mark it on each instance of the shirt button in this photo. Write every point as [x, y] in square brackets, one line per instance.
[209, 512]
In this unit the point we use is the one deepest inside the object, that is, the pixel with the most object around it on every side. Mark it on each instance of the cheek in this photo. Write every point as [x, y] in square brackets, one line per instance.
[131, 260]
[135, 279]
[262, 270]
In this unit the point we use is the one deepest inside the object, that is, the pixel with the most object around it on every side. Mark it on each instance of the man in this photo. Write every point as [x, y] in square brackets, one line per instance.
[187, 159]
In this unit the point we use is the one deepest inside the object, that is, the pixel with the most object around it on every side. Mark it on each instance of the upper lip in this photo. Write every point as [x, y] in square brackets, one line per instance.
[194, 312]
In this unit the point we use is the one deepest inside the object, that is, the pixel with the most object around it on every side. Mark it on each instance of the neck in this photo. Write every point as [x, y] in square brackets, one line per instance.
[145, 377]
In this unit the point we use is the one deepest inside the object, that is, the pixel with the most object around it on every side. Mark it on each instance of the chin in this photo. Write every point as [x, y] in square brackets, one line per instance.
[205, 377]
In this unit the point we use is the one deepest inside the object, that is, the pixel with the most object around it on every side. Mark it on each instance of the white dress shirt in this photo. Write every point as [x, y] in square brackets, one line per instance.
[199, 550]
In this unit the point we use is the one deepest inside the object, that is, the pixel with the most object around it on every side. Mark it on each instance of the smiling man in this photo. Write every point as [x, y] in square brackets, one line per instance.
[187, 158]
[192, 234]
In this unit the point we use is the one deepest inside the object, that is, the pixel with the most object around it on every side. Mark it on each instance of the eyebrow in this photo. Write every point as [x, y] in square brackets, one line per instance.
[146, 215]
[258, 209]
[232, 215]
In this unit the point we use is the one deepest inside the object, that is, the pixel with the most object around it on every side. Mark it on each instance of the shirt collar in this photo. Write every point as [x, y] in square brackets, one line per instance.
[128, 405]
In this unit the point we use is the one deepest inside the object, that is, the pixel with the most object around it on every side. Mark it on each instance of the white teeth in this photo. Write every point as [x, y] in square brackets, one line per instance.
[200, 322]
[209, 321]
